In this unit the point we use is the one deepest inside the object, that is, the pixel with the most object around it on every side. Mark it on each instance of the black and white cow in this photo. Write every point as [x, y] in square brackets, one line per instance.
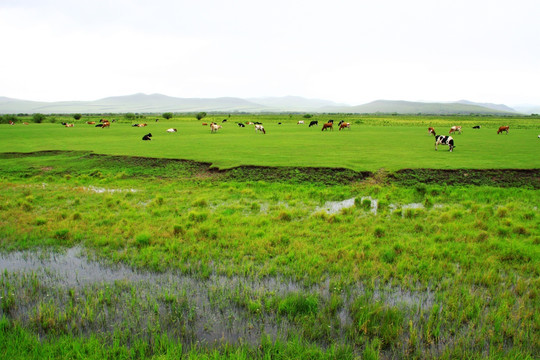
[476, 127]
[147, 137]
[241, 125]
[444, 140]
[313, 122]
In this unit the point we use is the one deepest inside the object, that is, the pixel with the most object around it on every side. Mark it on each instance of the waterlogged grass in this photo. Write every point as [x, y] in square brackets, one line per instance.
[435, 272]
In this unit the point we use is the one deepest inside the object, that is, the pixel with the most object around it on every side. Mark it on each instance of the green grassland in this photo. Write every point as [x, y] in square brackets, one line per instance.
[372, 143]
[408, 271]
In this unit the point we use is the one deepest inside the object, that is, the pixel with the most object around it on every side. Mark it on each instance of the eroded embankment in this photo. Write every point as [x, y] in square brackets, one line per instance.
[161, 167]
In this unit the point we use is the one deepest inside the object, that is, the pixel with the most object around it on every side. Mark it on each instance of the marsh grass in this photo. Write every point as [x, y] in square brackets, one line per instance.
[455, 279]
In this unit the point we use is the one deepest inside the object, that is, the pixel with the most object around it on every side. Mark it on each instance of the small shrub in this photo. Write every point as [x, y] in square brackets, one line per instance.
[521, 230]
[38, 118]
[298, 304]
[389, 256]
[200, 202]
[197, 216]
[420, 189]
[142, 240]
[255, 207]
[379, 232]
[62, 234]
[502, 212]
[178, 230]
[366, 204]
[482, 236]
[284, 216]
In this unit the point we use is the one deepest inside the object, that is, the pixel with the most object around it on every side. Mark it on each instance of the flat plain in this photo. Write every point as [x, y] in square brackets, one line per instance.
[114, 247]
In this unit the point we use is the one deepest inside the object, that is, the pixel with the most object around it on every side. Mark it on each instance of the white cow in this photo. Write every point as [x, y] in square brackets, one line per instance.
[260, 128]
[214, 127]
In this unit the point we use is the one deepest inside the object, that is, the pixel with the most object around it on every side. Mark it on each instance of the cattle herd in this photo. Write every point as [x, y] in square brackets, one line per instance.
[448, 140]
[329, 125]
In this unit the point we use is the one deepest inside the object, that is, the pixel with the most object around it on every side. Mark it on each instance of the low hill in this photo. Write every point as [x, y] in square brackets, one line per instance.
[409, 107]
[137, 103]
[157, 103]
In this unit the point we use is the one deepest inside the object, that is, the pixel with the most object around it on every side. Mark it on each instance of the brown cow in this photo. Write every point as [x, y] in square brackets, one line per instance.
[503, 128]
[345, 125]
[329, 125]
[431, 131]
[455, 129]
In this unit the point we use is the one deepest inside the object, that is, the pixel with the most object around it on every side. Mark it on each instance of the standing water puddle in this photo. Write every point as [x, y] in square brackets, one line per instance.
[209, 311]
[333, 207]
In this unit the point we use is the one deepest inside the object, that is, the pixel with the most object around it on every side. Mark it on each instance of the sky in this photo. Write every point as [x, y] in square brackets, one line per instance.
[347, 51]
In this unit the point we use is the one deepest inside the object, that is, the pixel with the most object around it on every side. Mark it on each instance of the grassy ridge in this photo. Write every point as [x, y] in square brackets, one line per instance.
[472, 250]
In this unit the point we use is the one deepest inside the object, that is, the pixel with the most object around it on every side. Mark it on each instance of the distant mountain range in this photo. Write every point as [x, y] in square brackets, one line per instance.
[157, 103]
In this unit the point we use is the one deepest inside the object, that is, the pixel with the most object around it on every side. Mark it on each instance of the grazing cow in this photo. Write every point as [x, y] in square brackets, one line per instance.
[431, 131]
[214, 127]
[135, 125]
[25, 123]
[249, 123]
[503, 128]
[63, 123]
[345, 125]
[444, 140]
[279, 123]
[147, 137]
[142, 125]
[224, 120]
[328, 126]
[69, 125]
[171, 130]
[260, 128]
[241, 125]
[99, 125]
[11, 122]
[106, 124]
[314, 122]
[331, 121]
[455, 129]
[301, 122]
[476, 127]
[204, 124]
[341, 122]
[91, 122]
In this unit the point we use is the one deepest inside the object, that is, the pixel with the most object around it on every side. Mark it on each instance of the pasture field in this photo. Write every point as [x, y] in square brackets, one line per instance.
[372, 143]
[137, 256]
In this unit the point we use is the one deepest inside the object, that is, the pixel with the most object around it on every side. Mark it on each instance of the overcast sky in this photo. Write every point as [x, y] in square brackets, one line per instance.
[349, 51]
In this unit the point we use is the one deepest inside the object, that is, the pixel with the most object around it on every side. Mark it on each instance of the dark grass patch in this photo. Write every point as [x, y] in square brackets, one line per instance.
[489, 177]
[130, 166]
